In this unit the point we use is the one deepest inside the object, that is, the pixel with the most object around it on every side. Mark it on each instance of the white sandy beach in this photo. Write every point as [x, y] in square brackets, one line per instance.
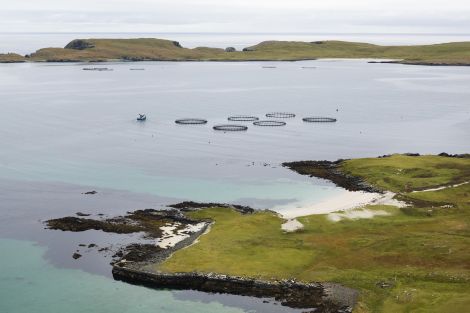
[171, 236]
[345, 201]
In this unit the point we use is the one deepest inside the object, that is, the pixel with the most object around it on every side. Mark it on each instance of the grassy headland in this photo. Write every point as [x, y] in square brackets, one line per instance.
[416, 259]
[11, 58]
[149, 49]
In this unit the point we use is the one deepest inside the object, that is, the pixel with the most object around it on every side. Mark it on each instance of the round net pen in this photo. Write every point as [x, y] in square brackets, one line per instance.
[242, 118]
[191, 121]
[319, 119]
[230, 128]
[269, 123]
[280, 115]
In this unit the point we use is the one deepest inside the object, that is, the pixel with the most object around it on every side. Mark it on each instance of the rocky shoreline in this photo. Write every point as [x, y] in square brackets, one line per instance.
[331, 170]
[312, 296]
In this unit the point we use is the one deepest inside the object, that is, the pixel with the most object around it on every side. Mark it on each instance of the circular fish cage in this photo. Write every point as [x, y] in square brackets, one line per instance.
[242, 118]
[269, 123]
[280, 115]
[319, 119]
[230, 128]
[191, 121]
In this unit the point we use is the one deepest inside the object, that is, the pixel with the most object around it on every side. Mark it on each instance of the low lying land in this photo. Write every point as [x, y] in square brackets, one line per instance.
[150, 49]
[11, 58]
[411, 259]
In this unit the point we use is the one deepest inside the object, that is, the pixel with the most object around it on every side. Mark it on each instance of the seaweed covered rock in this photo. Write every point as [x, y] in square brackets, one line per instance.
[76, 224]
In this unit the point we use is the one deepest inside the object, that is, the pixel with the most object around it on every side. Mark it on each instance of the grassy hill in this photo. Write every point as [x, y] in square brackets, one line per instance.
[150, 49]
[447, 53]
[124, 49]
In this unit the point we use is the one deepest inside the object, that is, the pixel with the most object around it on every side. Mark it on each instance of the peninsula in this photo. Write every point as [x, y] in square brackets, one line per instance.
[151, 49]
[375, 258]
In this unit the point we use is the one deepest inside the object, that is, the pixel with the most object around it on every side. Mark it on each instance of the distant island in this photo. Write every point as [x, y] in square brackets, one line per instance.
[151, 49]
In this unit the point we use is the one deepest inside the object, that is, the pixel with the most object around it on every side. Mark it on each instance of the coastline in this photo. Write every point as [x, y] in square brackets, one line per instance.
[152, 49]
[104, 62]
[322, 298]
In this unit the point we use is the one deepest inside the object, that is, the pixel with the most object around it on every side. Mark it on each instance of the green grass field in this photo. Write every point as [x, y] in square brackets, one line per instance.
[158, 49]
[401, 173]
[409, 261]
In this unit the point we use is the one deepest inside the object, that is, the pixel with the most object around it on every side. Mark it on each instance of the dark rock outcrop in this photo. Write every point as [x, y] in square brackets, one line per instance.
[191, 205]
[230, 49]
[93, 192]
[82, 214]
[147, 220]
[76, 224]
[462, 156]
[331, 170]
[79, 44]
[138, 252]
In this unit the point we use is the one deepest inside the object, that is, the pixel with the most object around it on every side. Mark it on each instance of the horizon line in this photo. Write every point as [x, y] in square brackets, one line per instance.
[245, 33]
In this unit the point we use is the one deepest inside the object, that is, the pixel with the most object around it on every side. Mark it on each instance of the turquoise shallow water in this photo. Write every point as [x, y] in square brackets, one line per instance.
[257, 191]
[29, 284]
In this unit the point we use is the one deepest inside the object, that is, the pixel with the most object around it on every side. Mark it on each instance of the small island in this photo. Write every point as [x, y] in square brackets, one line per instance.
[151, 49]
[375, 258]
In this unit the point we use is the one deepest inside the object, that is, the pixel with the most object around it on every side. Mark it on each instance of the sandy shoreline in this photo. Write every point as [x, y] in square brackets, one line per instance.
[347, 200]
